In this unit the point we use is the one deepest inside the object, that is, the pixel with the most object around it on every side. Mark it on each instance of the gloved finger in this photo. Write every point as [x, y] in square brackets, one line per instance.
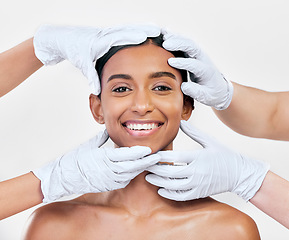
[169, 183]
[200, 93]
[179, 195]
[192, 89]
[93, 79]
[170, 171]
[126, 37]
[166, 33]
[126, 176]
[150, 30]
[198, 68]
[139, 164]
[175, 156]
[177, 43]
[197, 135]
[101, 138]
[127, 153]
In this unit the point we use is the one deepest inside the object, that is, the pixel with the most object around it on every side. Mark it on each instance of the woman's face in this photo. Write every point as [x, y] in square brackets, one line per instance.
[141, 99]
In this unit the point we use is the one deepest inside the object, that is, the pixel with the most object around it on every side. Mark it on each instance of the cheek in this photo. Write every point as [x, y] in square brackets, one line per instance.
[172, 107]
[111, 111]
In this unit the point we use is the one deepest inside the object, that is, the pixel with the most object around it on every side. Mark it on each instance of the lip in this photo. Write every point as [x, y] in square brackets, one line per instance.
[138, 132]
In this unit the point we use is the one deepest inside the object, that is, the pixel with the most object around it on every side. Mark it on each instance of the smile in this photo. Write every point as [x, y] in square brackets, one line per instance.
[141, 129]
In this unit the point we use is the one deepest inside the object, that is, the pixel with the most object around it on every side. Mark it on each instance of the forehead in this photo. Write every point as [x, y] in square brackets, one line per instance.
[143, 59]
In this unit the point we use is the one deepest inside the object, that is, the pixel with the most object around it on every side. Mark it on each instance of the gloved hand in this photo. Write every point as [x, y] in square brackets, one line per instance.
[211, 170]
[208, 85]
[84, 45]
[89, 168]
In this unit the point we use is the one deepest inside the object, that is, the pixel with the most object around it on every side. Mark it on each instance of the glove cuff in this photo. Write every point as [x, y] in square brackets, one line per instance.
[44, 174]
[252, 178]
[227, 101]
[44, 49]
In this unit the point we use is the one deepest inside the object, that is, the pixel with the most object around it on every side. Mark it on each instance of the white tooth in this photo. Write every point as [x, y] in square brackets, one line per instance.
[145, 126]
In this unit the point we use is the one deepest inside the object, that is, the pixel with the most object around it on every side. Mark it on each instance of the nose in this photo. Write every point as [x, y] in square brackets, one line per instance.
[142, 103]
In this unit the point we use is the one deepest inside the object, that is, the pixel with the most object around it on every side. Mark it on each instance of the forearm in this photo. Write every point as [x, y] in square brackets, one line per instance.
[19, 194]
[252, 112]
[16, 65]
[273, 198]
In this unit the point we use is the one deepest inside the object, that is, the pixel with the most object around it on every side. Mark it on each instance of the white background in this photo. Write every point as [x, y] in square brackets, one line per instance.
[48, 114]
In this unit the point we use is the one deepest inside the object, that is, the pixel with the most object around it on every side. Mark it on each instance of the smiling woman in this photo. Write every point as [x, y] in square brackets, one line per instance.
[150, 95]
[141, 103]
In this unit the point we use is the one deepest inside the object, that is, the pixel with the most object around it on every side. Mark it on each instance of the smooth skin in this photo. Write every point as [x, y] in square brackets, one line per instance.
[257, 113]
[52, 44]
[145, 94]
[250, 111]
[16, 65]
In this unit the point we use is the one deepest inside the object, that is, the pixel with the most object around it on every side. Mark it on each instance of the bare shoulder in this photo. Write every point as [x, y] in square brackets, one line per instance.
[54, 221]
[233, 224]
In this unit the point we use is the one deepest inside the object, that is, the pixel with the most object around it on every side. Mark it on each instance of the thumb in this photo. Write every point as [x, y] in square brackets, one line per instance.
[203, 139]
[93, 78]
[101, 138]
[194, 90]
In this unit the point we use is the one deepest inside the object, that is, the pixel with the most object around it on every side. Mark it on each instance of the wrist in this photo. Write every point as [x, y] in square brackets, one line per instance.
[251, 177]
[224, 104]
[45, 45]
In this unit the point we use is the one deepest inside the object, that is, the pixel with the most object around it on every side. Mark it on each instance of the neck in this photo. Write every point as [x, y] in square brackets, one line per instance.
[139, 197]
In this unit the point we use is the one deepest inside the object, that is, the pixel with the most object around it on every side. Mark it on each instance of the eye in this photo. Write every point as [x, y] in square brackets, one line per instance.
[121, 89]
[162, 88]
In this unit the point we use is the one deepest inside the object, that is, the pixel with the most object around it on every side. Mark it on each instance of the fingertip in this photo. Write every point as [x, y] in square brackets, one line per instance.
[171, 60]
[181, 63]
[93, 81]
[185, 87]
[191, 89]
[151, 29]
[174, 62]
[143, 149]
[154, 32]
[148, 178]
[186, 126]
[164, 193]
[105, 133]
[167, 45]
[184, 122]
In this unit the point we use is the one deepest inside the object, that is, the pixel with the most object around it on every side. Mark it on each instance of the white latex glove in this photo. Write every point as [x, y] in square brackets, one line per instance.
[84, 45]
[89, 168]
[208, 85]
[211, 170]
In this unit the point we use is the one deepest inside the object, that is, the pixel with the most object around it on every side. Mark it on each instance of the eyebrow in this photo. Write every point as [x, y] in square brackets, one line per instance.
[123, 76]
[152, 75]
[162, 74]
